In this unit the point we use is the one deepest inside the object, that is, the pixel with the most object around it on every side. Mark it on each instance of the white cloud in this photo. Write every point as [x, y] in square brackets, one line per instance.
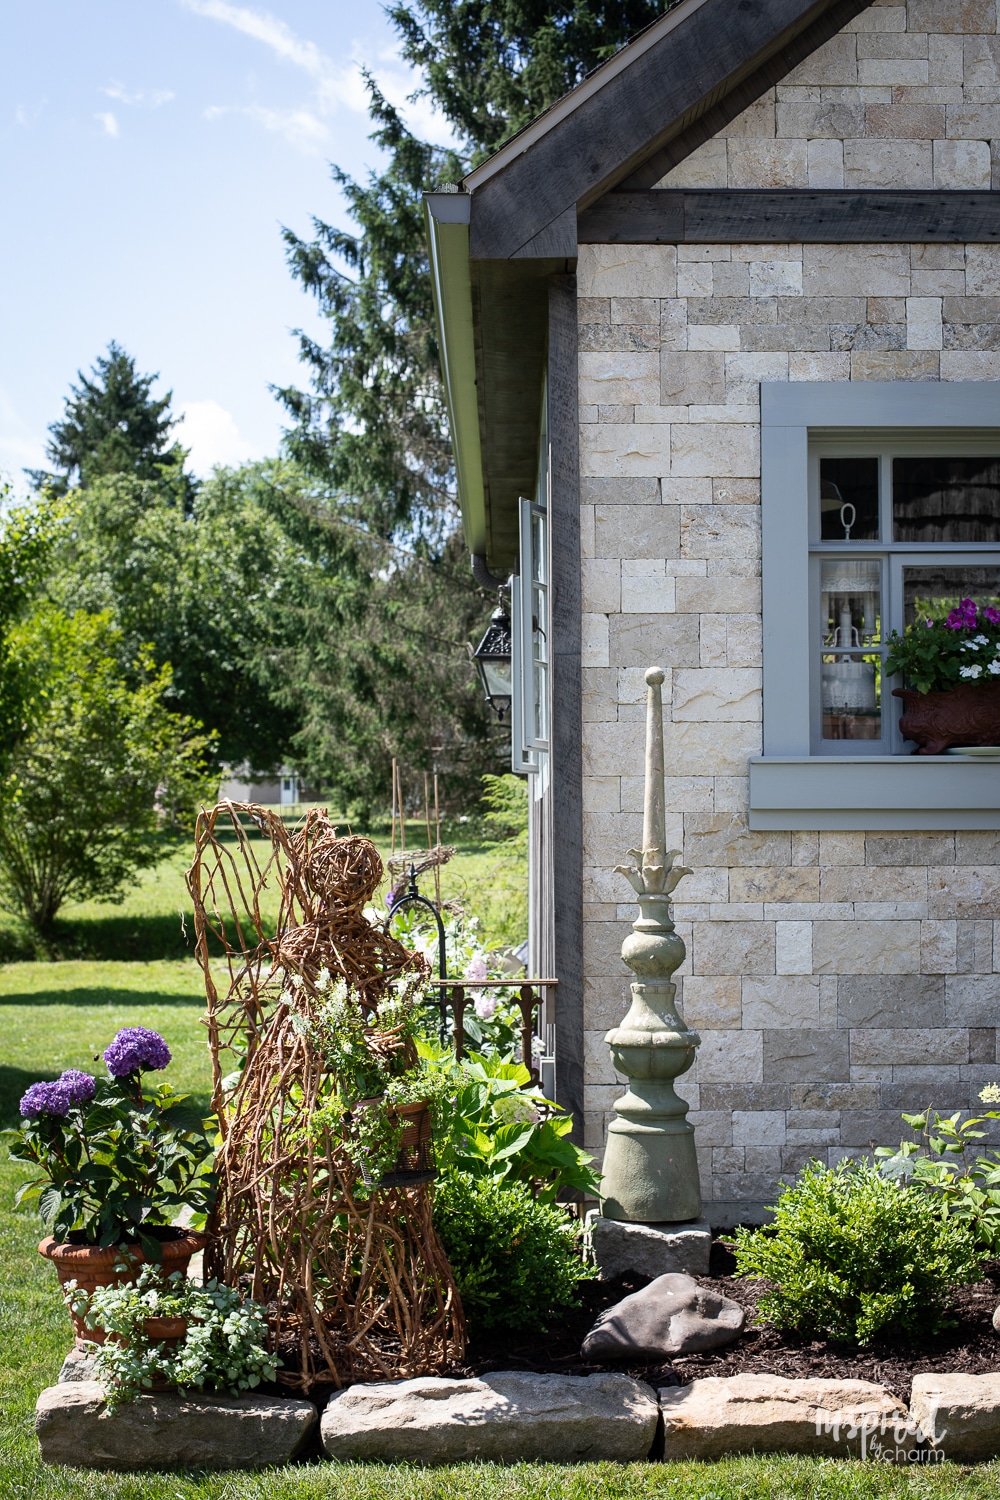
[299, 127]
[19, 448]
[335, 85]
[213, 437]
[109, 122]
[149, 98]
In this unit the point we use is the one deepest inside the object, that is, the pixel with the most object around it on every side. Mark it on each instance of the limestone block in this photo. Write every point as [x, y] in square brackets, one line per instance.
[717, 532]
[982, 270]
[758, 163]
[776, 278]
[910, 1000]
[730, 1057]
[785, 1000]
[871, 1046]
[716, 749]
[805, 1056]
[597, 1065]
[169, 1431]
[722, 694]
[963, 891]
[707, 166]
[836, 62]
[818, 365]
[879, 18]
[871, 164]
[673, 324]
[638, 639]
[947, 64]
[938, 947]
[632, 449]
[626, 271]
[511, 1416]
[793, 947]
[969, 364]
[882, 883]
[720, 595]
[758, 1127]
[972, 999]
[645, 587]
[962, 164]
[892, 72]
[714, 1418]
[733, 948]
[812, 119]
[695, 279]
[614, 378]
[951, 15]
[979, 62]
[601, 586]
[866, 948]
[910, 849]
[692, 377]
[959, 1414]
[595, 490]
[826, 164]
[756, 119]
[788, 883]
[594, 644]
[649, 1249]
[713, 336]
[923, 323]
[628, 531]
[672, 1315]
[898, 122]
[712, 1001]
[852, 270]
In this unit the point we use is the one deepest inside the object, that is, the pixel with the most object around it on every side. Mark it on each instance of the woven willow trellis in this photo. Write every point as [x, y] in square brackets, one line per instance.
[357, 1286]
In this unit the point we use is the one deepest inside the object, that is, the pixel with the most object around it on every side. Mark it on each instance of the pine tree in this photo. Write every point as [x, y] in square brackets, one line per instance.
[113, 425]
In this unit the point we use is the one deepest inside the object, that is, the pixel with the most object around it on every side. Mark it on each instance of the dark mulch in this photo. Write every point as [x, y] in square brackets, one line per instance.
[970, 1346]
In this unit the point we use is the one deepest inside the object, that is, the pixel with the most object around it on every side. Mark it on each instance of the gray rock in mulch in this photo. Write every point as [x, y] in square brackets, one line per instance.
[672, 1315]
[996, 1320]
[511, 1416]
[649, 1249]
[715, 1417]
[959, 1415]
[165, 1430]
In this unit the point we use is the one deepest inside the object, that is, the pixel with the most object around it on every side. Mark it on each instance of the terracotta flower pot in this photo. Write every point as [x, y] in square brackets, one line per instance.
[91, 1267]
[966, 715]
[414, 1163]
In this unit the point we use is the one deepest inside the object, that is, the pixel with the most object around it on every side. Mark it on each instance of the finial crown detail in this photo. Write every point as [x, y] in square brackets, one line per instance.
[653, 873]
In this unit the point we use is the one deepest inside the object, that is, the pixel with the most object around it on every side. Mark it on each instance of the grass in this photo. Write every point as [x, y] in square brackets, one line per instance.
[155, 921]
[58, 1015]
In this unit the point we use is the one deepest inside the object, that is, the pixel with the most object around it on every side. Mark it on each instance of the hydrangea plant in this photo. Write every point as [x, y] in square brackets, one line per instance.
[223, 1348]
[935, 655]
[118, 1159]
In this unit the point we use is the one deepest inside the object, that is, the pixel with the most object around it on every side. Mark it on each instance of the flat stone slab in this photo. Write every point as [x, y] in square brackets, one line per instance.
[76, 1366]
[672, 1315]
[649, 1249]
[165, 1430]
[716, 1417]
[512, 1416]
[959, 1415]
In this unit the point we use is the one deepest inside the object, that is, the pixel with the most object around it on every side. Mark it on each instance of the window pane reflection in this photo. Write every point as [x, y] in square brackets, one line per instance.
[851, 675]
[851, 604]
[946, 499]
[931, 593]
[848, 499]
[851, 694]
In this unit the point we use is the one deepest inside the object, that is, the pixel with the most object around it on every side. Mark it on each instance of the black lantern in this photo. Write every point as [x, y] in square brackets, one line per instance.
[492, 659]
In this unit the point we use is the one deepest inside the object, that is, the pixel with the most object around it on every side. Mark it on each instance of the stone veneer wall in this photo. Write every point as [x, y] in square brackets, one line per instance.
[835, 978]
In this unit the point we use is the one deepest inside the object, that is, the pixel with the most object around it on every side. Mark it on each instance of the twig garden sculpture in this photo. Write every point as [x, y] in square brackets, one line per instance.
[355, 1281]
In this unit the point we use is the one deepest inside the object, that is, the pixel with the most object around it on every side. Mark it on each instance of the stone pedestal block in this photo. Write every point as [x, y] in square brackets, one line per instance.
[169, 1431]
[649, 1249]
[959, 1415]
[512, 1416]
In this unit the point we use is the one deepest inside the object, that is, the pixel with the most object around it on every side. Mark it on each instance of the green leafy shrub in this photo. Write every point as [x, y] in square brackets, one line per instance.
[851, 1254]
[516, 1261]
[223, 1348]
[941, 1164]
[491, 1122]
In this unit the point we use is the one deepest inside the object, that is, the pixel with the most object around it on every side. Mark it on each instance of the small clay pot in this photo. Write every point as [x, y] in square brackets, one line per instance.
[966, 715]
[90, 1267]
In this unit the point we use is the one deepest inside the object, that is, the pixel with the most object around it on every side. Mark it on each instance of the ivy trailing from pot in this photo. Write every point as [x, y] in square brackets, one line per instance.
[951, 668]
[166, 1331]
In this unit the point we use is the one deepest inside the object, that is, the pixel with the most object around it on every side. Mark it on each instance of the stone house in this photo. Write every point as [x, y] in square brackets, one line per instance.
[720, 334]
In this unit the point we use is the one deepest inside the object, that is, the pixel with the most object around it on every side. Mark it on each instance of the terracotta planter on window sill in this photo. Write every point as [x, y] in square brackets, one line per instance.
[966, 715]
[90, 1267]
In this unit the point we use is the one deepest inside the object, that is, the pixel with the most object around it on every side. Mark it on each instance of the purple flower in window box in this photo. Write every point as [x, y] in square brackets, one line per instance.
[136, 1049]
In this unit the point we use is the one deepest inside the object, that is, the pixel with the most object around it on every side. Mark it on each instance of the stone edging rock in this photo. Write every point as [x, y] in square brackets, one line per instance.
[516, 1415]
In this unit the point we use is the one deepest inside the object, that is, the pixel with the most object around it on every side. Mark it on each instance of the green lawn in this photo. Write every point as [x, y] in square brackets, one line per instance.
[59, 1015]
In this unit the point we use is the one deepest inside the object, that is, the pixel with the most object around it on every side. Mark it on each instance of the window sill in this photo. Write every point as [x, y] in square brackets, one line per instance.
[881, 792]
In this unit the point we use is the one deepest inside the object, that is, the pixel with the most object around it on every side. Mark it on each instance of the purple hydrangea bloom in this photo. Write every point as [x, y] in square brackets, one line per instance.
[80, 1087]
[45, 1099]
[135, 1049]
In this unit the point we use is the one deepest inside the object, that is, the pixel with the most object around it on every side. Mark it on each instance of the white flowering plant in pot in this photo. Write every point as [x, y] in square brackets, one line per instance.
[167, 1331]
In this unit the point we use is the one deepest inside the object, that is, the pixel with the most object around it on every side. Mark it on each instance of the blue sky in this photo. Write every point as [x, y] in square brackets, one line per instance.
[150, 150]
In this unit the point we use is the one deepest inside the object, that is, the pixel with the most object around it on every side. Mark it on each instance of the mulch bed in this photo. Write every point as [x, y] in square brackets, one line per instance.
[970, 1347]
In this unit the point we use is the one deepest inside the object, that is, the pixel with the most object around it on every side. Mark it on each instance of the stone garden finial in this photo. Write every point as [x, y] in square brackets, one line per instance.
[650, 1168]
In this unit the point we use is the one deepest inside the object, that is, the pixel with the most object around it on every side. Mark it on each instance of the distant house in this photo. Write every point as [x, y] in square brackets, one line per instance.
[281, 789]
[721, 336]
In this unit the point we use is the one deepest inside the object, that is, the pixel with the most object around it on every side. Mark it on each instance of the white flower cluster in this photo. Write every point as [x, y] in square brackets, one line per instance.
[976, 669]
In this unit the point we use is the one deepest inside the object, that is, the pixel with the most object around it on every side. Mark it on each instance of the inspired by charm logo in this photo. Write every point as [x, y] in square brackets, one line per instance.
[889, 1437]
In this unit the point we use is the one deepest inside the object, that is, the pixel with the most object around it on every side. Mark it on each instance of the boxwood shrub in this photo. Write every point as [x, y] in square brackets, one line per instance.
[851, 1255]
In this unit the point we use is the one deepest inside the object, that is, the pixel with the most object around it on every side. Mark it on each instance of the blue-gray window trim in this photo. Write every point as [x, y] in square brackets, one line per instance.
[828, 791]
